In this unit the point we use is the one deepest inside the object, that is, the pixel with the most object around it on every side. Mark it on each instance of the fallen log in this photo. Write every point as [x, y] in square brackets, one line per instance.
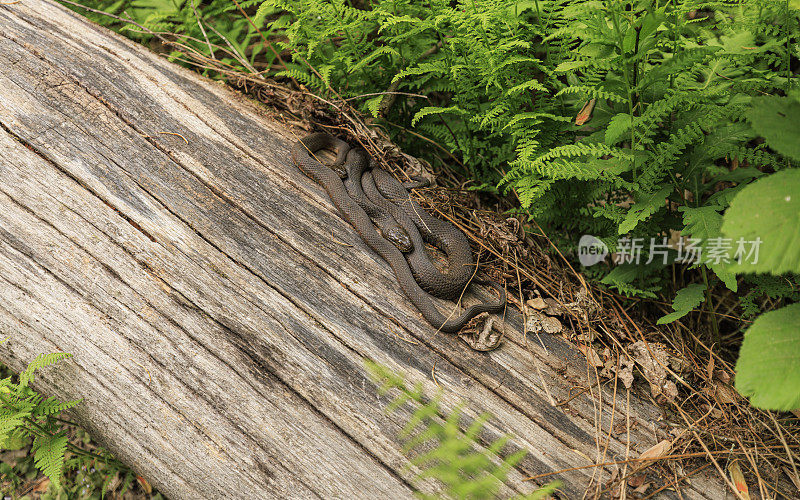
[220, 312]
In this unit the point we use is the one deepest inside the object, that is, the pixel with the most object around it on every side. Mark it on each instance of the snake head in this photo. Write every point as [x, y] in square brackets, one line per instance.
[339, 169]
[339, 164]
[417, 181]
[399, 238]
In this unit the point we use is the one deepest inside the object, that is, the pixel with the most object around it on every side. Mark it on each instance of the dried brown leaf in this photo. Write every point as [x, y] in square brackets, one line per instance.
[552, 325]
[653, 453]
[738, 479]
[585, 114]
[591, 356]
[537, 303]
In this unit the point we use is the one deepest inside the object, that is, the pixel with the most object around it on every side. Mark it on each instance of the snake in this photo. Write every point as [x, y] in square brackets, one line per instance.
[367, 199]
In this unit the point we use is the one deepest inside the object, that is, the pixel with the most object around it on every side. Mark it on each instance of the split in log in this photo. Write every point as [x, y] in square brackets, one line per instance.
[219, 311]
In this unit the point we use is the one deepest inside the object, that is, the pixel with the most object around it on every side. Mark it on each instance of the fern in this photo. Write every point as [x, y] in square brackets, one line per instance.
[41, 361]
[685, 300]
[433, 110]
[449, 454]
[49, 456]
[669, 96]
[28, 418]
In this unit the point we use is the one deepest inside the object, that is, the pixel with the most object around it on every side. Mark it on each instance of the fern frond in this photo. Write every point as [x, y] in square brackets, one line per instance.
[41, 361]
[48, 455]
[591, 93]
[52, 406]
[435, 110]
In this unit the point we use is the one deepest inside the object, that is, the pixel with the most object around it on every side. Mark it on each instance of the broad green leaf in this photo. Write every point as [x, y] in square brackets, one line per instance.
[768, 369]
[617, 128]
[767, 209]
[727, 276]
[704, 223]
[776, 119]
[644, 208]
[685, 300]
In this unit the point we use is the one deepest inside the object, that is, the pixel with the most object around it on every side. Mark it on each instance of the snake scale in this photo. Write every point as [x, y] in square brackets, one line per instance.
[369, 198]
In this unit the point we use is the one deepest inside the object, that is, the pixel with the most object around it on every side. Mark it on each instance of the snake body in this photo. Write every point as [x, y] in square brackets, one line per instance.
[421, 227]
[344, 182]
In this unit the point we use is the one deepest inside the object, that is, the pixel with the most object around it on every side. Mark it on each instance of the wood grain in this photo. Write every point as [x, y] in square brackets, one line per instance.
[218, 309]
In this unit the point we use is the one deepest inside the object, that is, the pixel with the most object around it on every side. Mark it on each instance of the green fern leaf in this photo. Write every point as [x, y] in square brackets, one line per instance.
[51, 406]
[619, 125]
[435, 110]
[9, 422]
[266, 8]
[374, 105]
[644, 208]
[49, 456]
[685, 301]
[705, 223]
[40, 362]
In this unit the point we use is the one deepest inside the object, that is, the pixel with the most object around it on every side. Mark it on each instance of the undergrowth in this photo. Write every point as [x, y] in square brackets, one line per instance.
[48, 457]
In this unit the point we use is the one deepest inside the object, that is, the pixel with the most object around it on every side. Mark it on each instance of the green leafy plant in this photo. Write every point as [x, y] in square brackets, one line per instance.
[29, 419]
[449, 453]
[685, 301]
[768, 369]
[26, 414]
[472, 75]
[656, 156]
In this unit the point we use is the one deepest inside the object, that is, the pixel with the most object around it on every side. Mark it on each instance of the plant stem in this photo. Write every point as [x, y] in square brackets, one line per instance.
[714, 325]
[628, 89]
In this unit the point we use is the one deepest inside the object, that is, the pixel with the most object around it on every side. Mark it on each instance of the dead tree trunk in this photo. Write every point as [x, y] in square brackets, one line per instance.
[218, 324]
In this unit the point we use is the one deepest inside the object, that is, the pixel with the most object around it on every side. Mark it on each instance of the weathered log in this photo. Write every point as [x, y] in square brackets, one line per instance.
[219, 310]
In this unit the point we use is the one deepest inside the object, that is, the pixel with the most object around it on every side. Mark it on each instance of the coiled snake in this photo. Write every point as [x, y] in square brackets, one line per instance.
[364, 197]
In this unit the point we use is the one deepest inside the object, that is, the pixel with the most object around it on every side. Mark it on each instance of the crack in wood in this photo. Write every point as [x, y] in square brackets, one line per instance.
[44, 157]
